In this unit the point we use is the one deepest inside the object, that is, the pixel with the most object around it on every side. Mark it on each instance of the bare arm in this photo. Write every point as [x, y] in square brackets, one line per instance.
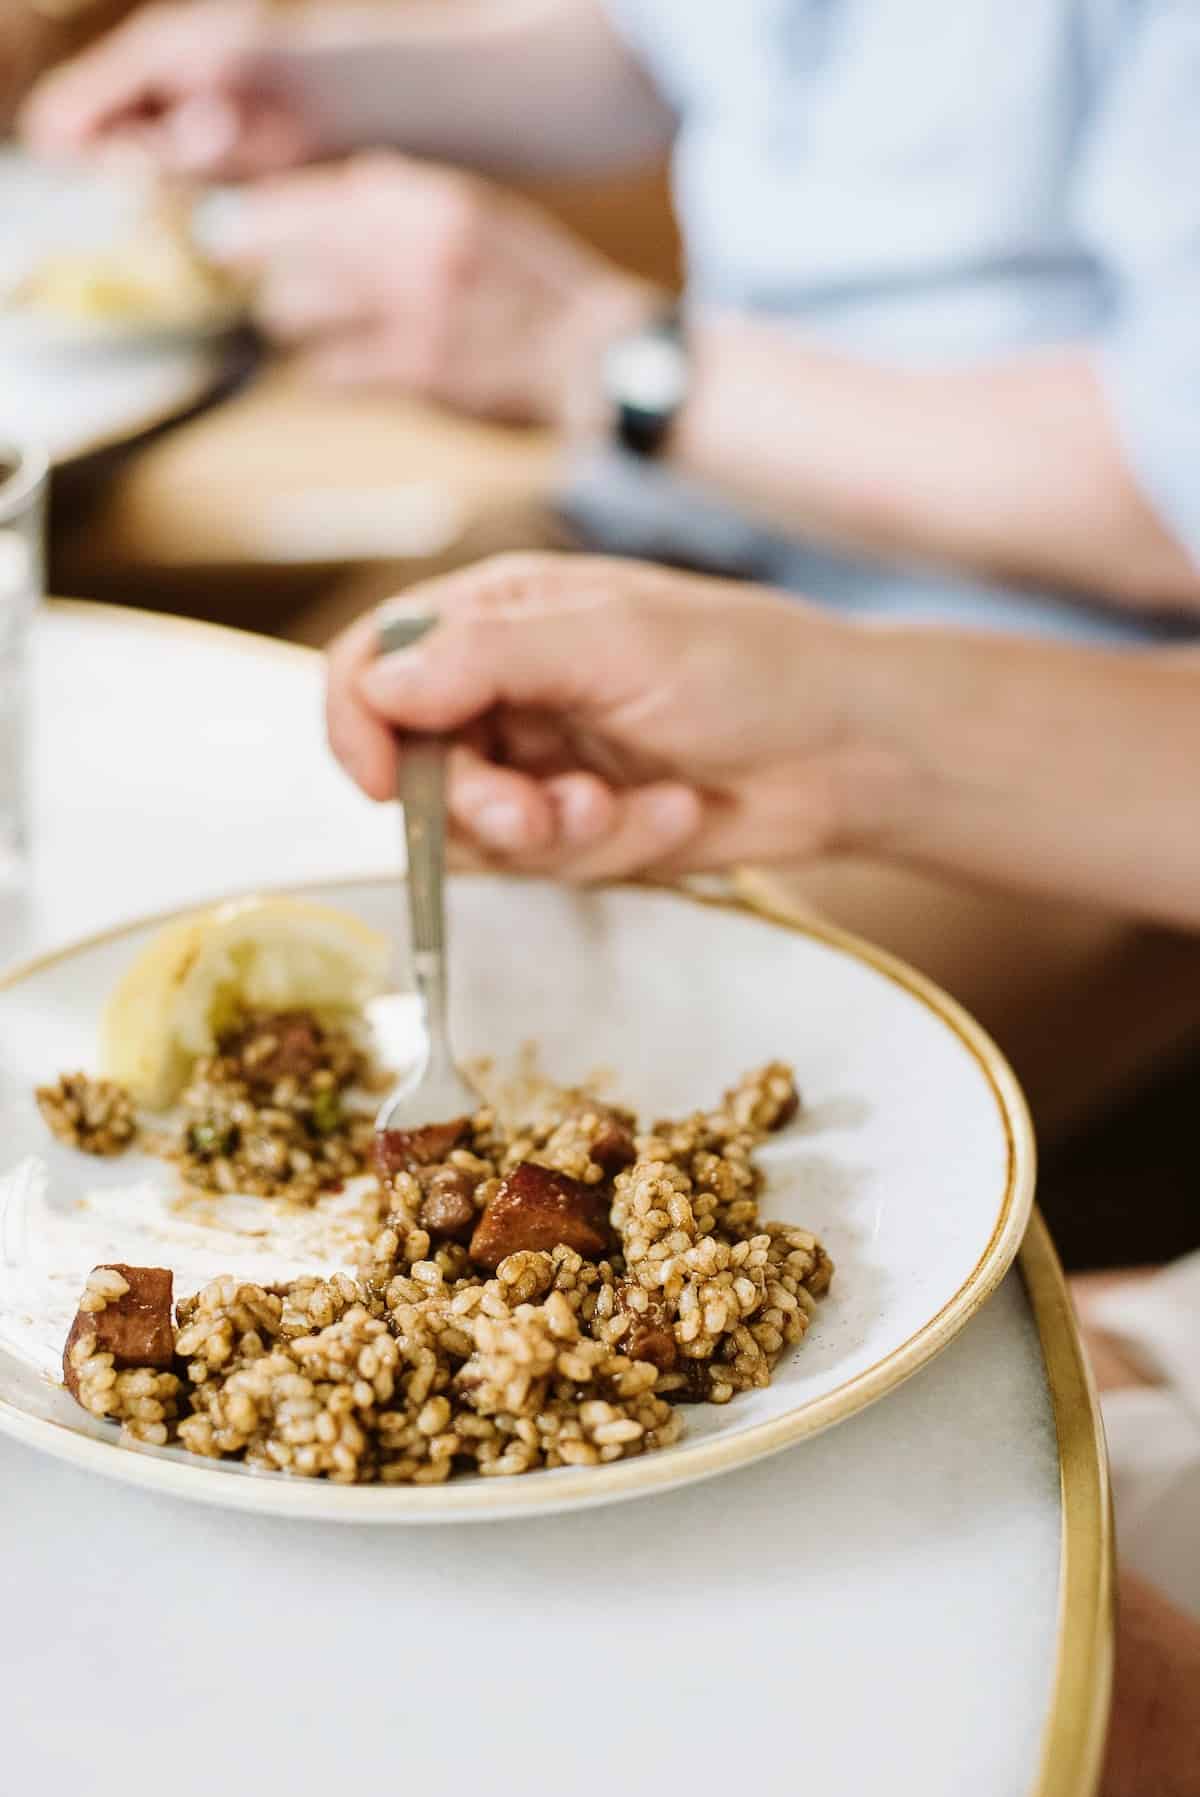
[1073, 467]
[1044, 767]
[530, 87]
[1016, 469]
[711, 723]
[1011, 470]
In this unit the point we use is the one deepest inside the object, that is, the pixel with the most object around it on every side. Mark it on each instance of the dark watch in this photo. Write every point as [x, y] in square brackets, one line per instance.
[646, 378]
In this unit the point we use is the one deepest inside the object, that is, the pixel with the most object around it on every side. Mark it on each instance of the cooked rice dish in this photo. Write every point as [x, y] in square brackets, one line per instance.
[535, 1293]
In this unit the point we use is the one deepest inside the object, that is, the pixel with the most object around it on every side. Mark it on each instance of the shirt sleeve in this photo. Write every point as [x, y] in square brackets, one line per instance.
[1138, 201]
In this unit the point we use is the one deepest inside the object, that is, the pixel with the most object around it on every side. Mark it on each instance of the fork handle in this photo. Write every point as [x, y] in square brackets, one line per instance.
[423, 796]
[422, 793]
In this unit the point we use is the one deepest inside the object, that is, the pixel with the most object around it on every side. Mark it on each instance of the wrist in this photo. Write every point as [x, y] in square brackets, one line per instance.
[892, 776]
[609, 305]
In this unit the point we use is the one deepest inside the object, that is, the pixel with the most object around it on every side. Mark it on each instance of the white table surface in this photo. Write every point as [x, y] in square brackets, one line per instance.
[873, 1611]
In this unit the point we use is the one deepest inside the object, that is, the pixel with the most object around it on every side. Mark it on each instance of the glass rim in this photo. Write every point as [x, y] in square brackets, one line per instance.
[29, 475]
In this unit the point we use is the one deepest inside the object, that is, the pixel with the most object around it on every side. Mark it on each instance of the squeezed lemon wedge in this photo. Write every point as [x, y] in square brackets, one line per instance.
[192, 978]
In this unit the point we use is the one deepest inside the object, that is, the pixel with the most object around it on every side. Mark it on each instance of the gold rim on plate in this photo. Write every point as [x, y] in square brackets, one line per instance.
[1077, 1719]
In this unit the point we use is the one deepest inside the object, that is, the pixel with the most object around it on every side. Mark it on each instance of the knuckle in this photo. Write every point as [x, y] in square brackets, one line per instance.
[518, 577]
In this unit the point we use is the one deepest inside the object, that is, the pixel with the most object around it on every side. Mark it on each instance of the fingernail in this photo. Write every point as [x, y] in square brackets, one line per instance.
[500, 823]
[402, 626]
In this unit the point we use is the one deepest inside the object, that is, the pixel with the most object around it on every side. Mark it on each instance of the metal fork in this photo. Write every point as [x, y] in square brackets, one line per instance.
[434, 1090]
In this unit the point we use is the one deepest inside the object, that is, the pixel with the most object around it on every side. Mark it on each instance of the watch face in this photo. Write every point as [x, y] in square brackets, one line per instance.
[648, 374]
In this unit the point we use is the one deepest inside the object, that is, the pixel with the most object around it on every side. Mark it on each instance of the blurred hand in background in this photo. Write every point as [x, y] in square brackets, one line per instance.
[189, 86]
[388, 271]
[393, 272]
[36, 34]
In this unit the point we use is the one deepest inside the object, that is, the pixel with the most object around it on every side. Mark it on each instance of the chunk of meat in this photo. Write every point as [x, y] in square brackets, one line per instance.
[537, 1208]
[134, 1326]
[405, 1150]
[613, 1147]
[448, 1210]
[286, 1045]
[650, 1335]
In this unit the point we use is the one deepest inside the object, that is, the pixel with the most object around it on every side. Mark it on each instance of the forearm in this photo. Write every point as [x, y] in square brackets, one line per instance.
[1038, 766]
[544, 86]
[1010, 471]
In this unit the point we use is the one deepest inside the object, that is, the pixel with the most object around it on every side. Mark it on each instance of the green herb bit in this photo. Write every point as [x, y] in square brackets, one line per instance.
[326, 1113]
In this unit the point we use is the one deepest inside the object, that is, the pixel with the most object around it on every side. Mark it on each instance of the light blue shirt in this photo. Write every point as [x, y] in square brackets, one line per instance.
[939, 181]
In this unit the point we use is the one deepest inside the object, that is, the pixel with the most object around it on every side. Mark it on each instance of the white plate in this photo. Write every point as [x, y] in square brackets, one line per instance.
[50, 210]
[75, 406]
[77, 386]
[913, 1160]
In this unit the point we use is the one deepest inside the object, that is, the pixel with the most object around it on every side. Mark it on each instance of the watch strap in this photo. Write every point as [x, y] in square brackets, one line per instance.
[638, 429]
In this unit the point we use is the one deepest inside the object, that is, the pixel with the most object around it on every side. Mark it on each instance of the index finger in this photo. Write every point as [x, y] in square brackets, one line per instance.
[363, 743]
[541, 632]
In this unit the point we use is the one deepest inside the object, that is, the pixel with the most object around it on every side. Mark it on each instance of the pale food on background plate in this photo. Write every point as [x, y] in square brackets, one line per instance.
[156, 277]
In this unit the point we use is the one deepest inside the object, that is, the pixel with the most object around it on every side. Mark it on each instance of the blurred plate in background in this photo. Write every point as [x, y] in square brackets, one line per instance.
[85, 267]
[78, 384]
[77, 406]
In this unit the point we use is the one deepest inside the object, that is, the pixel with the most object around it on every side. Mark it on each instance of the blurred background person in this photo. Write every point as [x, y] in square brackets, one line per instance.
[932, 319]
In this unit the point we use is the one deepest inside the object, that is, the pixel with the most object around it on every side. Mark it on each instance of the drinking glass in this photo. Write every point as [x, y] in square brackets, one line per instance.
[23, 483]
